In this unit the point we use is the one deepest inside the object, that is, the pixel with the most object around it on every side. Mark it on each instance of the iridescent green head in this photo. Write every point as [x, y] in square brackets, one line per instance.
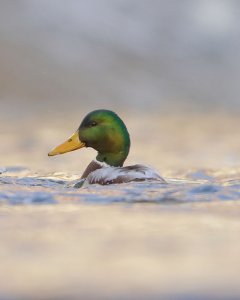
[103, 131]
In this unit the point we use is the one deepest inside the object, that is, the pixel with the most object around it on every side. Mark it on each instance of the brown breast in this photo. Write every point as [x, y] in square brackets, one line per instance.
[94, 165]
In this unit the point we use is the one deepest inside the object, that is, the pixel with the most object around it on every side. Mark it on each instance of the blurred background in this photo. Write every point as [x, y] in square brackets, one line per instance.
[143, 59]
[171, 70]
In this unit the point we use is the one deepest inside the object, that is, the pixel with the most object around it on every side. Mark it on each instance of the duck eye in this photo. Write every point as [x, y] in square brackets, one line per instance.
[92, 124]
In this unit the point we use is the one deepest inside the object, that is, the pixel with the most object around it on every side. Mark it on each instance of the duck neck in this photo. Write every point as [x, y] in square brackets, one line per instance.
[113, 159]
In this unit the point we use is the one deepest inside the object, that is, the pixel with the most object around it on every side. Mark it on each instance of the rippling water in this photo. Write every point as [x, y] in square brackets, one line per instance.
[108, 242]
[21, 186]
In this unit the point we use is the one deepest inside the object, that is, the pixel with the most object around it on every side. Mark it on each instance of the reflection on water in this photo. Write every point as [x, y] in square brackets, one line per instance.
[19, 186]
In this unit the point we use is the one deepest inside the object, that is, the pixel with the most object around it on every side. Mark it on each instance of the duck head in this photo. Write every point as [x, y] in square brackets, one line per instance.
[103, 131]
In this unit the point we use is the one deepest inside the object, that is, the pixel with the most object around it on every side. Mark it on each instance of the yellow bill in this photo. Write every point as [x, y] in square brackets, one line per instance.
[73, 143]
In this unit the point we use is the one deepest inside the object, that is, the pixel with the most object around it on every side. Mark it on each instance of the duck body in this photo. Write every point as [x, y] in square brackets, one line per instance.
[104, 131]
[101, 173]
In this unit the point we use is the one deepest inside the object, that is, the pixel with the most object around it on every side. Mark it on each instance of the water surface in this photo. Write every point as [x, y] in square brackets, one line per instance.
[143, 240]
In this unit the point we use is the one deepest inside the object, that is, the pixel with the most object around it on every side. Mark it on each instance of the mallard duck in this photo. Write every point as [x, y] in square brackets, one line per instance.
[104, 131]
